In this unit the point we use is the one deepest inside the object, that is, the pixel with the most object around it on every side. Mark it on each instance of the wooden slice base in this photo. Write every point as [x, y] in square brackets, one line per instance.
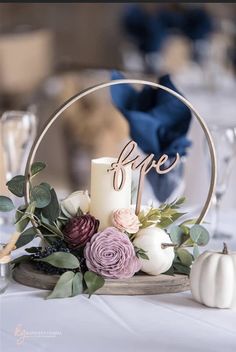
[140, 284]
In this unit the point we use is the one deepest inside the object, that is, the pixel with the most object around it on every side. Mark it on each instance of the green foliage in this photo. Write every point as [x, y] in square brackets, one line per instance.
[62, 260]
[63, 287]
[184, 236]
[93, 282]
[195, 251]
[77, 284]
[176, 235]
[141, 253]
[52, 210]
[26, 237]
[23, 216]
[17, 185]
[185, 257]
[6, 204]
[37, 167]
[187, 234]
[199, 235]
[41, 195]
[69, 284]
[22, 259]
[163, 216]
[182, 263]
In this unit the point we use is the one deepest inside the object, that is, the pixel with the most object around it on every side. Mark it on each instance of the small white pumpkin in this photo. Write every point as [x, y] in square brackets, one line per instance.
[155, 242]
[213, 279]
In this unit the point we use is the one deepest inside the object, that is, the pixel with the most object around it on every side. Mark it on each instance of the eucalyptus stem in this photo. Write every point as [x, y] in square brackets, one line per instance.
[167, 245]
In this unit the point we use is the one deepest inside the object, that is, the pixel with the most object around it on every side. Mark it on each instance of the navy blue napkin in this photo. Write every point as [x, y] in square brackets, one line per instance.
[158, 122]
[150, 30]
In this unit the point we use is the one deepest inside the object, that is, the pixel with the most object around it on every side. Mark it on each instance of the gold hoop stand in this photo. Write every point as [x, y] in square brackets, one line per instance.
[93, 89]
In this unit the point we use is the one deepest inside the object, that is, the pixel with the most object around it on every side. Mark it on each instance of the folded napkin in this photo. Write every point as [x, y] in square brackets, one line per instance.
[150, 30]
[147, 33]
[158, 122]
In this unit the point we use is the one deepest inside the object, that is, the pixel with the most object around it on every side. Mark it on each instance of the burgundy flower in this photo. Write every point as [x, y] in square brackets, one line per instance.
[79, 230]
[111, 254]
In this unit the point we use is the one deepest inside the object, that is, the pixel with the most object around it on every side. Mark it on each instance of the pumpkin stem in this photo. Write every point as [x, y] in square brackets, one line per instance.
[225, 249]
[166, 245]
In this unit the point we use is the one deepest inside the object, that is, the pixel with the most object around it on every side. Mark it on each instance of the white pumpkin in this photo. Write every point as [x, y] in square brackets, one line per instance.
[213, 279]
[161, 257]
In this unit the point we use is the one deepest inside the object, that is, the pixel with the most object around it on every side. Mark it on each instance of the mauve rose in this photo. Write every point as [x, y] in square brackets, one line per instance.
[79, 230]
[111, 254]
[125, 220]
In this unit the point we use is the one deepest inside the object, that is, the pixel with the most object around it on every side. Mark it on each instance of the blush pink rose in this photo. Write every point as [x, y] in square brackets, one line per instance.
[111, 254]
[125, 220]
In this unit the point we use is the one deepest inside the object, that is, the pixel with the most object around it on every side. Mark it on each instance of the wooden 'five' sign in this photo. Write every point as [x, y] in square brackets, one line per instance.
[145, 165]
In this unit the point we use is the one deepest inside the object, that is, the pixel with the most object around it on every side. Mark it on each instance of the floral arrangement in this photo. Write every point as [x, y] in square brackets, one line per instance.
[73, 247]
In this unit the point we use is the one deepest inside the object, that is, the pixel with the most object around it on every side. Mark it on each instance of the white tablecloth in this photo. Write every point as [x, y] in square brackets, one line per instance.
[169, 322]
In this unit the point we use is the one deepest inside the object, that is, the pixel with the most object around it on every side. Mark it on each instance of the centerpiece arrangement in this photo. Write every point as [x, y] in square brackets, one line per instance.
[85, 243]
[88, 241]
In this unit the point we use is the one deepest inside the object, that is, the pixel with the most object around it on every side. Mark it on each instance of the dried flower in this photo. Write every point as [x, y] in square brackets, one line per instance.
[125, 220]
[79, 230]
[111, 254]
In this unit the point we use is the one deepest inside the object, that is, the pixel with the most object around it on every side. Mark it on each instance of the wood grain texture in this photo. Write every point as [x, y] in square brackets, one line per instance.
[140, 284]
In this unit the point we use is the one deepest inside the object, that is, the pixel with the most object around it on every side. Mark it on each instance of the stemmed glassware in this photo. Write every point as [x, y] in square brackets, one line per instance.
[224, 138]
[18, 131]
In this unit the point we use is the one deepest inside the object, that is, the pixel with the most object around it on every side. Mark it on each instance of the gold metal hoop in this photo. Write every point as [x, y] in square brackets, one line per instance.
[92, 89]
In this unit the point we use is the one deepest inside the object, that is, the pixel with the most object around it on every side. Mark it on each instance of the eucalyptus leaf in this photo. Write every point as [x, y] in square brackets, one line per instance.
[199, 235]
[176, 235]
[170, 271]
[22, 224]
[32, 250]
[52, 211]
[141, 253]
[195, 251]
[37, 167]
[181, 269]
[47, 185]
[184, 256]
[23, 217]
[17, 185]
[77, 284]
[52, 228]
[180, 201]
[20, 211]
[41, 195]
[61, 260]
[6, 204]
[22, 259]
[143, 256]
[63, 287]
[93, 282]
[26, 237]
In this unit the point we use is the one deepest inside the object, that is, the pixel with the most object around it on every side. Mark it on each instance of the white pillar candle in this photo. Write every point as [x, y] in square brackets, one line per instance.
[104, 198]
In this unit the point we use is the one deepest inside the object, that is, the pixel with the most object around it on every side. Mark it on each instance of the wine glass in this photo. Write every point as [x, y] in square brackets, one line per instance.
[224, 138]
[18, 131]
